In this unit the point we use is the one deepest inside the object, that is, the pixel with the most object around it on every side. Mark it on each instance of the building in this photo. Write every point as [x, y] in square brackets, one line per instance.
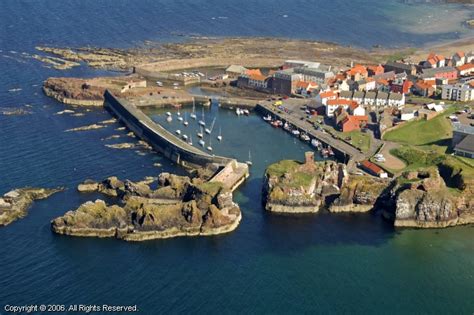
[358, 110]
[352, 123]
[462, 92]
[334, 104]
[399, 67]
[461, 131]
[407, 114]
[458, 59]
[356, 73]
[373, 169]
[324, 97]
[375, 70]
[305, 88]
[401, 86]
[366, 84]
[370, 98]
[466, 69]
[434, 61]
[289, 64]
[449, 73]
[424, 88]
[465, 147]
[396, 100]
[284, 81]
[320, 75]
[234, 71]
[382, 99]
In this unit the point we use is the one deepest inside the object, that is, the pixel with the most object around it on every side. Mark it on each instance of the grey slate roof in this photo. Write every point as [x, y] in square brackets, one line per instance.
[466, 144]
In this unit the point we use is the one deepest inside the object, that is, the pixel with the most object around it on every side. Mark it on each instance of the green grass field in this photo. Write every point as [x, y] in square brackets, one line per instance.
[437, 131]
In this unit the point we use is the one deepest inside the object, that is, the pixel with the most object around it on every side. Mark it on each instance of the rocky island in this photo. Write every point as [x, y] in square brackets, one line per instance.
[433, 197]
[180, 206]
[14, 204]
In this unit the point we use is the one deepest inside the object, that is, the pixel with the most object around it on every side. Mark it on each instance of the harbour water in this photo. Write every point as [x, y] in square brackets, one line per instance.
[322, 263]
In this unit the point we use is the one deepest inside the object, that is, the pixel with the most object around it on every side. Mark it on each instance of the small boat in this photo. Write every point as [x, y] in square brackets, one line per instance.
[190, 141]
[185, 122]
[180, 118]
[169, 119]
[178, 113]
[168, 114]
[219, 137]
[209, 147]
[267, 118]
[193, 114]
[304, 137]
[249, 161]
[200, 134]
[209, 130]
[178, 132]
[330, 151]
[202, 122]
[295, 132]
[246, 112]
[238, 111]
[202, 143]
[185, 137]
[325, 153]
[315, 143]
[287, 127]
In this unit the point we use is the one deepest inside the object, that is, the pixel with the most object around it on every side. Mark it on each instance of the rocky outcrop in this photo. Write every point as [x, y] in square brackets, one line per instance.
[359, 194]
[421, 199]
[14, 204]
[178, 207]
[293, 187]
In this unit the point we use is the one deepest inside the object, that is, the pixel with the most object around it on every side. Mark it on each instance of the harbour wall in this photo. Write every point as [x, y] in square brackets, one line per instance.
[158, 137]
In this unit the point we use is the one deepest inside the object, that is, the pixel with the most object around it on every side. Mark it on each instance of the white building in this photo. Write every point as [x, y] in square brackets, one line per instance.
[407, 114]
[458, 92]
[396, 99]
[359, 111]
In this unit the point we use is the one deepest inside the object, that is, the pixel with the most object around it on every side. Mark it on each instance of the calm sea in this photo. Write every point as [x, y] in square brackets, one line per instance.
[271, 264]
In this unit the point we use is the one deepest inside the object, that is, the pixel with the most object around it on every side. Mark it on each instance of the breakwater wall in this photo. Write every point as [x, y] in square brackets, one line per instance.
[158, 137]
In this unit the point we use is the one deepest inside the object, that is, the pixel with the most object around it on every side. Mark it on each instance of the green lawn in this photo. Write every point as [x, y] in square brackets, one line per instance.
[280, 168]
[437, 131]
[359, 139]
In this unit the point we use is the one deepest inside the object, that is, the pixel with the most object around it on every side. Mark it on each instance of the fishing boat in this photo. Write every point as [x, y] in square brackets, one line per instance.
[315, 143]
[238, 111]
[325, 153]
[295, 132]
[246, 112]
[185, 137]
[209, 130]
[304, 137]
[202, 143]
[209, 147]
[287, 126]
[276, 123]
[330, 151]
[169, 119]
[267, 118]
[202, 122]
[219, 137]
[249, 161]
[193, 114]
[200, 134]
[185, 122]
[178, 132]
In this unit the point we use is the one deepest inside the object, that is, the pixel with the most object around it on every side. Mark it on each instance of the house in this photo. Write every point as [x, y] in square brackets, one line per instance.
[323, 97]
[358, 96]
[465, 147]
[462, 92]
[470, 57]
[234, 71]
[401, 86]
[358, 110]
[399, 67]
[351, 123]
[458, 59]
[382, 85]
[426, 114]
[407, 114]
[375, 70]
[382, 99]
[396, 99]
[373, 169]
[370, 98]
[347, 95]
[434, 61]
[305, 88]
[358, 72]
[466, 69]
[367, 84]
[344, 86]
[332, 105]
[424, 88]
[440, 73]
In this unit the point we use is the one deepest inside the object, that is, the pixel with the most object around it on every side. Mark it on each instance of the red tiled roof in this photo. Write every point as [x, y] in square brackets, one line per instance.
[340, 102]
[372, 167]
[327, 94]
[251, 72]
[466, 66]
